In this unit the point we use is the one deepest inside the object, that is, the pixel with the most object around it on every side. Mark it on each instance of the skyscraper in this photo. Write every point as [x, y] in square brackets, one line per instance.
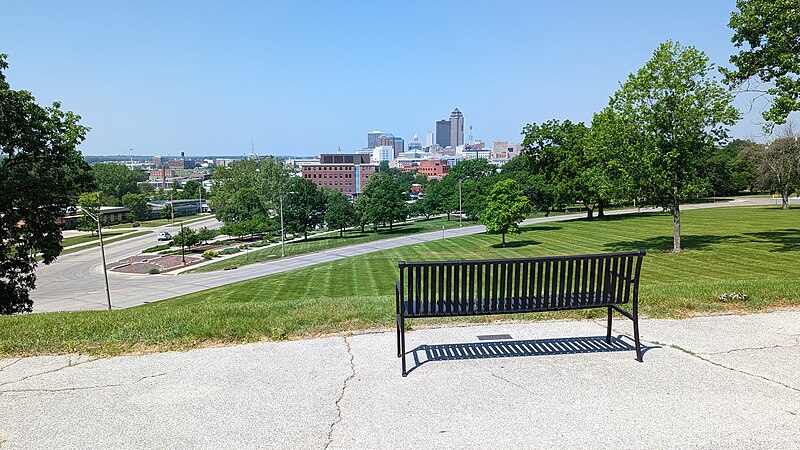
[428, 138]
[443, 133]
[372, 138]
[399, 146]
[456, 128]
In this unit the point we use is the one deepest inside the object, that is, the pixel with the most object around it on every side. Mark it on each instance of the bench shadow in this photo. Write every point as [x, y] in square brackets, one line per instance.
[520, 348]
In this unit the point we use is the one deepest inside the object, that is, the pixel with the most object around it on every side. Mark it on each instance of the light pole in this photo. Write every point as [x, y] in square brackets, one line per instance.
[102, 251]
[183, 237]
[460, 213]
[283, 233]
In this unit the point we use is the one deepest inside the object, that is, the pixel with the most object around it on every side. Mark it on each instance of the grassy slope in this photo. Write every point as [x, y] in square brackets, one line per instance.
[755, 250]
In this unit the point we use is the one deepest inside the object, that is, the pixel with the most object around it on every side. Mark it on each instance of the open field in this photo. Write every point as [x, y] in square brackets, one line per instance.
[755, 250]
[331, 240]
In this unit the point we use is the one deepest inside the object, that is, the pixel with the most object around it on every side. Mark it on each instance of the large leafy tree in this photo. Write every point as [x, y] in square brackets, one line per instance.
[339, 212]
[116, 180]
[680, 112]
[555, 151]
[779, 164]
[41, 174]
[137, 204]
[385, 200]
[609, 172]
[731, 170]
[249, 189]
[506, 207]
[303, 207]
[767, 34]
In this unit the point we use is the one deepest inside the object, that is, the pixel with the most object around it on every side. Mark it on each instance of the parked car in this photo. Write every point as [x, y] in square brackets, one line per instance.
[164, 236]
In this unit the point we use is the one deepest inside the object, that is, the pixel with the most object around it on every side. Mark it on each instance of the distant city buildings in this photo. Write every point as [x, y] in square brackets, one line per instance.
[383, 153]
[443, 133]
[456, 128]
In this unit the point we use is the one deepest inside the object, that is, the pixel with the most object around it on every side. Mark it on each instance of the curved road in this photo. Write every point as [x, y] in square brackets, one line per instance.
[75, 281]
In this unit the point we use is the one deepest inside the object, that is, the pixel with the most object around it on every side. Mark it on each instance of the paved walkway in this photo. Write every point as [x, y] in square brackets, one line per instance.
[709, 382]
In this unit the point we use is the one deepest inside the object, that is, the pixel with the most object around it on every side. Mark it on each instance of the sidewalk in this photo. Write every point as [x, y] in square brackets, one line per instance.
[709, 382]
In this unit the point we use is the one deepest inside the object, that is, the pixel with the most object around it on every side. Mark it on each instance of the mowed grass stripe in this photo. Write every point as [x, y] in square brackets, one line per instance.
[751, 250]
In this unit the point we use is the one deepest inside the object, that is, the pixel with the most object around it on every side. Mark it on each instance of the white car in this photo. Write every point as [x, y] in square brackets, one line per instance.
[164, 236]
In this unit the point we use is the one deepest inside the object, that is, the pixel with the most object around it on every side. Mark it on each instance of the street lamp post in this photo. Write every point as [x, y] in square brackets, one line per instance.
[460, 212]
[283, 232]
[102, 252]
[183, 237]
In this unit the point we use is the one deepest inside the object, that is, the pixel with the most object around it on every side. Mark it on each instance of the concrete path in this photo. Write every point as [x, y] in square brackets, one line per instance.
[75, 282]
[709, 382]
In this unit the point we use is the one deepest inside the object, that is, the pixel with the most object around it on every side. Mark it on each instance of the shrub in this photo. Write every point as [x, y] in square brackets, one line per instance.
[154, 271]
[156, 248]
[208, 254]
[229, 251]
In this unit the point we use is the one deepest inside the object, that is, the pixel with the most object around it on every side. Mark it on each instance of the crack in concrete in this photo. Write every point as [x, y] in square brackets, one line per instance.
[750, 348]
[341, 394]
[512, 383]
[732, 369]
[46, 372]
[85, 388]
[10, 364]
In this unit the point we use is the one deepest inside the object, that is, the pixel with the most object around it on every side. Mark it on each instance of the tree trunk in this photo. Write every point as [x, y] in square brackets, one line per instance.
[390, 225]
[601, 209]
[362, 228]
[305, 235]
[341, 232]
[504, 240]
[676, 221]
[589, 211]
[448, 216]
[785, 198]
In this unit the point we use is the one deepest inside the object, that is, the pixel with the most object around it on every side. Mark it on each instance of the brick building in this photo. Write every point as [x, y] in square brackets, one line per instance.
[346, 173]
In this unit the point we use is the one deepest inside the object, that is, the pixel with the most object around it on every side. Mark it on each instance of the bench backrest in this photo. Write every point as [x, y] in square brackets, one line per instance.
[530, 284]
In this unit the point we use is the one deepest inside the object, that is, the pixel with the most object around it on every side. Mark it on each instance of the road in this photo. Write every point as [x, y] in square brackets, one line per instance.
[75, 281]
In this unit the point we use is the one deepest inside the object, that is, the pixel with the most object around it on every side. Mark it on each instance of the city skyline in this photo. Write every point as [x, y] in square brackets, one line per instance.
[166, 78]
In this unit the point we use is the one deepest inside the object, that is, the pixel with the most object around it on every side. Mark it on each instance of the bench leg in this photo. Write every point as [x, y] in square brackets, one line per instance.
[403, 343]
[608, 330]
[636, 332]
[399, 354]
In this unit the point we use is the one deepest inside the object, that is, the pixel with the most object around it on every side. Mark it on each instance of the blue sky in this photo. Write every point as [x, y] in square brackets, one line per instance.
[303, 78]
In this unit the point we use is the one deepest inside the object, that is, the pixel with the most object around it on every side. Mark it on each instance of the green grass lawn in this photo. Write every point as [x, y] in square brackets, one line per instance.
[332, 240]
[75, 240]
[162, 222]
[751, 250]
[107, 239]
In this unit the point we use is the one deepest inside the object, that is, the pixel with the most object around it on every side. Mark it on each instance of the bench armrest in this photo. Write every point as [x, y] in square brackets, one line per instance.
[397, 297]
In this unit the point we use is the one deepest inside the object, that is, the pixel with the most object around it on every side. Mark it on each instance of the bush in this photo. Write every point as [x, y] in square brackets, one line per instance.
[156, 248]
[208, 254]
[154, 271]
[229, 251]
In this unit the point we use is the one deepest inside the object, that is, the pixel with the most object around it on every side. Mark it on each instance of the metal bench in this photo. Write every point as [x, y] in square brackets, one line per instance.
[505, 286]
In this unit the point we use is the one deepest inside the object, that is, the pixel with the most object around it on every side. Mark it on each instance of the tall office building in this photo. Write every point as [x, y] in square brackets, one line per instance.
[456, 128]
[428, 138]
[386, 139]
[443, 133]
[372, 138]
[399, 146]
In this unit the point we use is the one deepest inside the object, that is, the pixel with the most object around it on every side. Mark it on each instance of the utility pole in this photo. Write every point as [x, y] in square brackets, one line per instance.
[283, 233]
[102, 249]
[460, 213]
[183, 237]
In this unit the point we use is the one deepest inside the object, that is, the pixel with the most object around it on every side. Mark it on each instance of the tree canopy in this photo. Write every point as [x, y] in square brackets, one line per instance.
[767, 34]
[506, 207]
[41, 174]
[303, 206]
[679, 112]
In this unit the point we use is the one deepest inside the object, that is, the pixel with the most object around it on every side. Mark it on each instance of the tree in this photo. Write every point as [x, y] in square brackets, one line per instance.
[779, 164]
[191, 190]
[303, 207]
[362, 217]
[41, 175]
[137, 204]
[166, 211]
[187, 237]
[339, 213]
[386, 200]
[506, 207]
[89, 201]
[204, 234]
[609, 173]
[730, 171]
[249, 188]
[767, 32]
[680, 112]
[116, 180]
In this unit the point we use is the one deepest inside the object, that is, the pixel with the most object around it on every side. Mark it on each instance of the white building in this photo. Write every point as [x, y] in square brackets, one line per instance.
[382, 153]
